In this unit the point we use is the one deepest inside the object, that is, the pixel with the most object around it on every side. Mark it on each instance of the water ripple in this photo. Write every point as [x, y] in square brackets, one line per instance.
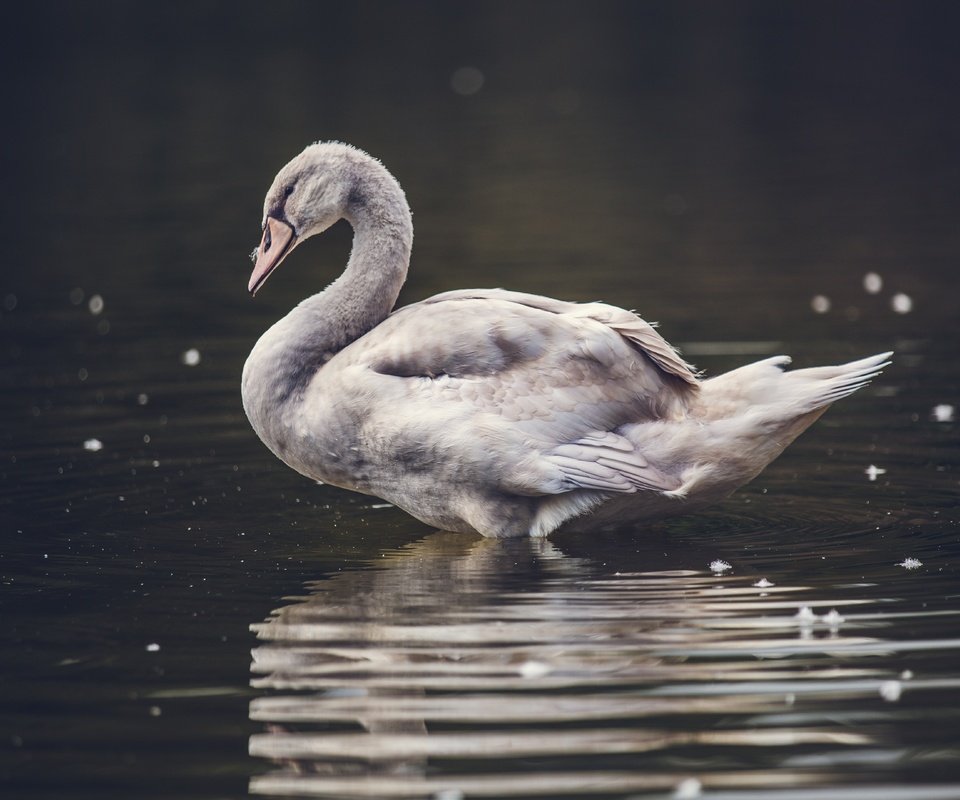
[439, 671]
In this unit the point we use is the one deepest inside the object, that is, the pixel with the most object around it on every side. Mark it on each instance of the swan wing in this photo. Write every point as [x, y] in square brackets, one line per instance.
[539, 385]
[640, 333]
[608, 462]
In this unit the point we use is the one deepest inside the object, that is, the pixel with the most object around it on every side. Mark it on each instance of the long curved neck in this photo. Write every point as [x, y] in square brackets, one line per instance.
[289, 354]
[365, 293]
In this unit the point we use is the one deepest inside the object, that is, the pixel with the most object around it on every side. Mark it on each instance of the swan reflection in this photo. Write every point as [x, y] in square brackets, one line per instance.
[460, 664]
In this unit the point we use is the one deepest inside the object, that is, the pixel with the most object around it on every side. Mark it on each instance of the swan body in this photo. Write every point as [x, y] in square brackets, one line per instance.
[493, 411]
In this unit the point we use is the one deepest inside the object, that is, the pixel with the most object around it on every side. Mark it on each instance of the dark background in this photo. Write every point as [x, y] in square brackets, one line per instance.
[688, 153]
[714, 165]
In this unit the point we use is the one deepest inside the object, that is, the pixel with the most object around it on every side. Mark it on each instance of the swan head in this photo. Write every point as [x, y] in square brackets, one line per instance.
[309, 194]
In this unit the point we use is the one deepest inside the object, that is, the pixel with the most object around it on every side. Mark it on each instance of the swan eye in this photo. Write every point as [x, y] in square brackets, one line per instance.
[288, 191]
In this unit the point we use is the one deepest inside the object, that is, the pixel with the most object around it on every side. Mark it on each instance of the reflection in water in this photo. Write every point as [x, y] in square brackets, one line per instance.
[466, 667]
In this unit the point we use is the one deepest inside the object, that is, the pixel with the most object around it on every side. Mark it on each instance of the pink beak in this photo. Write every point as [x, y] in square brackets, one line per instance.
[278, 240]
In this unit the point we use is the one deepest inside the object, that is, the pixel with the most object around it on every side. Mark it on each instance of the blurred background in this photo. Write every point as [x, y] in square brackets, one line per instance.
[759, 177]
[690, 157]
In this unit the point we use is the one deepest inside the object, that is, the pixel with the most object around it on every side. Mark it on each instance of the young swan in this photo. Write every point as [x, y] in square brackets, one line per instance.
[486, 410]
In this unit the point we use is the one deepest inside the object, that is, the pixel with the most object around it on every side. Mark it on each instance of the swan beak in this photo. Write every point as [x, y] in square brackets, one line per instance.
[278, 240]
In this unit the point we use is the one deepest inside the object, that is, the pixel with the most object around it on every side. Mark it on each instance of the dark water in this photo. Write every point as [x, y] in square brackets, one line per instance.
[715, 166]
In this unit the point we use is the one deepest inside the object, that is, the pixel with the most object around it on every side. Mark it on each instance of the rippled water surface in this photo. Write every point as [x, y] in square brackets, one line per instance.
[182, 616]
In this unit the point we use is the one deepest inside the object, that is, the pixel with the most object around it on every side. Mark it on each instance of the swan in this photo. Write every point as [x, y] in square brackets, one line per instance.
[491, 411]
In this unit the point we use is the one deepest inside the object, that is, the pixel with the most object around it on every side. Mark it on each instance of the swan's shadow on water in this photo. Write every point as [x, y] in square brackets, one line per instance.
[457, 664]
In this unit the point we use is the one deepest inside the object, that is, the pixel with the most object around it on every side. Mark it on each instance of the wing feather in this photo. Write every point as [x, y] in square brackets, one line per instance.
[612, 465]
[539, 386]
[640, 333]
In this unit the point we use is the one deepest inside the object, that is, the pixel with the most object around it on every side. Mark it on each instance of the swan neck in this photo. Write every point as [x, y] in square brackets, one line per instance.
[366, 292]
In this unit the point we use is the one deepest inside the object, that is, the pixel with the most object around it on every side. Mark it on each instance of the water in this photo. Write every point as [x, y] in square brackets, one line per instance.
[184, 617]
[530, 670]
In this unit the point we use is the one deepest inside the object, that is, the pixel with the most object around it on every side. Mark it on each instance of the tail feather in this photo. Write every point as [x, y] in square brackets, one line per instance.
[821, 386]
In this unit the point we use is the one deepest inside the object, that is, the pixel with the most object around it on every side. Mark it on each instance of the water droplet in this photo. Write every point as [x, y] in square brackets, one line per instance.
[466, 80]
[872, 282]
[9, 302]
[820, 304]
[95, 304]
[944, 412]
[76, 296]
[901, 303]
[534, 669]
[153, 647]
[833, 618]
[191, 357]
[891, 691]
[719, 566]
[873, 471]
[93, 445]
[910, 563]
[763, 583]
[142, 399]
[688, 789]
